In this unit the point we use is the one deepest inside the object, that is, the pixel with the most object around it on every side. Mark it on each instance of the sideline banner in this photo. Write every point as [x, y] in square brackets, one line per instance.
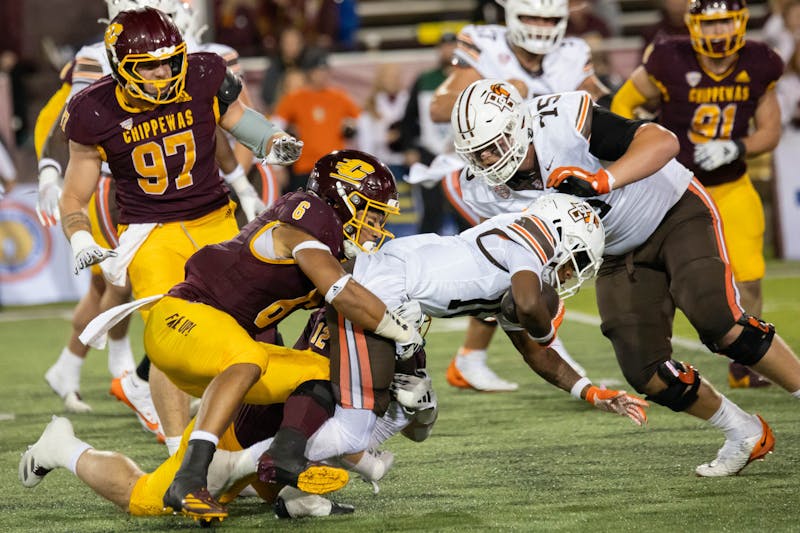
[786, 159]
[35, 262]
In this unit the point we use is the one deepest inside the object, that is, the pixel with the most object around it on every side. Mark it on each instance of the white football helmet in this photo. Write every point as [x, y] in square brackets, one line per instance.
[187, 20]
[582, 240]
[535, 38]
[491, 128]
[165, 6]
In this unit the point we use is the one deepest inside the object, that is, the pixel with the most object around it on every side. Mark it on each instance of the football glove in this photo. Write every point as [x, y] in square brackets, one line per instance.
[248, 197]
[618, 401]
[405, 350]
[86, 251]
[285, 151]
[413, 392]
[580, 182]
[50, 184]
[411, 312]
[714, 154]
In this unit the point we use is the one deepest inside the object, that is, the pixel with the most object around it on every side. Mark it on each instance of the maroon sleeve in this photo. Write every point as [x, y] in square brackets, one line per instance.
[312, 215]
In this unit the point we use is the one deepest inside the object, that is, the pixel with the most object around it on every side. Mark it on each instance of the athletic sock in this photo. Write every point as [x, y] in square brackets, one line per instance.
[120, 356]
[734, 421]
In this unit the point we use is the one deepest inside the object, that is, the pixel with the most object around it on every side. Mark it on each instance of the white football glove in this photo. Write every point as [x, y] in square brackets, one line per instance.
[413, 392]
[411, 312]
[285, 151]
[404, 351]
[86, 251]
[50, 184]
[249, 200]
[714, 154]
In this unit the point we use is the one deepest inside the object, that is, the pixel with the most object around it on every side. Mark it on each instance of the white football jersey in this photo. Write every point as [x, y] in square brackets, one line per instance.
[465, 274]
[630, 214]
[486, 49]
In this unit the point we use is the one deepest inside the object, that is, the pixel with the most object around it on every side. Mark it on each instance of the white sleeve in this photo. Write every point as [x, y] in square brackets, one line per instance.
[519, 258]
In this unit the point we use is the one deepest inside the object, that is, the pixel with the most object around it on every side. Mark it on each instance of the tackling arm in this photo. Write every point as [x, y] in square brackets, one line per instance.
[767, 132]
[652, 147]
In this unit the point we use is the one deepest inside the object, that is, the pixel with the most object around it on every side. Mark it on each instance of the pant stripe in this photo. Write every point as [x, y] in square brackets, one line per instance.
[452, 190]
[731, 292]
[355, 371]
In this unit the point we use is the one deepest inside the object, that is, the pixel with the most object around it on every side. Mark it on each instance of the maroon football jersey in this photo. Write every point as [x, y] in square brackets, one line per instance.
[162, 159]
[257, 291]
[698, 106]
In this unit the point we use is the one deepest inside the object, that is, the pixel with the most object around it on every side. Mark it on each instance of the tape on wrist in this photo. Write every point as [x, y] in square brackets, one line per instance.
[611, 180]
[547, 338]
[393, 327]
[49, 175]
[81, 240]
[234, 174]
[49, 162]
[337, 287]
[578, 387]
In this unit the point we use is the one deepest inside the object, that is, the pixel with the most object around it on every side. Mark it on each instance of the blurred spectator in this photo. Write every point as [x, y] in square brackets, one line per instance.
[319, 114]
[348, 24]
[424, 139]
[488, 12]
[782, 28]
[289, 55]
[17, 70]
[584, 22]
[671, 23]
[317, 20]
[241, 25]
[8, 171]
[378, 125]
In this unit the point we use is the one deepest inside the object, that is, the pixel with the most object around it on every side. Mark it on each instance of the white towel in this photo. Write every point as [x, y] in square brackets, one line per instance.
[94, 334]
[115, 269]
[440, 167]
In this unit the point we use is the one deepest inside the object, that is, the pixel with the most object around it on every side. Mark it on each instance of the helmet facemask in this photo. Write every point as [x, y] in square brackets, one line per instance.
[722, 44]
[167, 90]
[360, 207]
[536, 38]
[580, 256]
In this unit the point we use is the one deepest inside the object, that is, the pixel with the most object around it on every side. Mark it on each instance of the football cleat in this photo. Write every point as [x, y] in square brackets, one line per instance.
[293, 503]
[74, 404]
[38, 460]
[469, 371]
[743, 377]
[137, 397]
[314, 478]
[735, 455]
[66, 385]
[197, 504]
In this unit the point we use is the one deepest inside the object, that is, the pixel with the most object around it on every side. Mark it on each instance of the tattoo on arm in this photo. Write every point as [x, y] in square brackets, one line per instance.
[76, 221]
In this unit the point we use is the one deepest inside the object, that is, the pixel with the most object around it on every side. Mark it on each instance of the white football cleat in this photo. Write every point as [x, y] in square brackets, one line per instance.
[74, 404]
[39, 459]
[137, 397]
[471, 372]
[294, 503]
[737, 454]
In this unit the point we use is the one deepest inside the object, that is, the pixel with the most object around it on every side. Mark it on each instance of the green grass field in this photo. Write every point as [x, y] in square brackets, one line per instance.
[533, 460]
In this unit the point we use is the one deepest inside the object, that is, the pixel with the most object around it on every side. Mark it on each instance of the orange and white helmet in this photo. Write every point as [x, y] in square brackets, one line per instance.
[535, 38]
[705, 11]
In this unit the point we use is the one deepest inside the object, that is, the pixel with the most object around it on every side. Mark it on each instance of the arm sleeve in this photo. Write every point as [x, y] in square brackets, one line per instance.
[611, 134]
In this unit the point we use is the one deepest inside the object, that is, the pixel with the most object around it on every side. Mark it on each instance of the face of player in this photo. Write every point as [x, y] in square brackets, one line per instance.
[566, 272]
[720, 27]
[542, 22]
[156, 71]
[374, 219]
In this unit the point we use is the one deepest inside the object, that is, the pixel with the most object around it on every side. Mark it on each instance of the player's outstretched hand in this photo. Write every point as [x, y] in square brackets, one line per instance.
[580, 182]
[285, 151]
[620, 402]
[714, 154]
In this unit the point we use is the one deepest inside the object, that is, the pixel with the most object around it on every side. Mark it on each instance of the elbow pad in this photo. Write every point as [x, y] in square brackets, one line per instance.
[229, 91]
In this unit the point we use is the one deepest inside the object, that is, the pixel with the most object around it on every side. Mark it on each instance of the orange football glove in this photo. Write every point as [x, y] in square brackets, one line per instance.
[580, 182]
[618, 401]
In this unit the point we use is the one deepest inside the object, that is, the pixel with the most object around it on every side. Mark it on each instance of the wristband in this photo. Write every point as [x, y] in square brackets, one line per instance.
[393, 327]
[611, 180]
[81, 240]
[234, 174]
[310, 245]
[578, 387]
[49, 162]
[242, 186]
[547, 339]
[741, 147]
[337, 287]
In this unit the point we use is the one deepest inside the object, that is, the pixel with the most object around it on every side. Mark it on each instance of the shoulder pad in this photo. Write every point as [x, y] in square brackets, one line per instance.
[229, 91]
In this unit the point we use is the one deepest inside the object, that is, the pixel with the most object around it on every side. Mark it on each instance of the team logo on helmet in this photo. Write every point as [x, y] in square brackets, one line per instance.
[113, 32]
[500, 96]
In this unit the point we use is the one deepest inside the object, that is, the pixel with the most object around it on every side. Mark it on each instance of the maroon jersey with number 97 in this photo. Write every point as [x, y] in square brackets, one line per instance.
[162, 159]
[698, 106]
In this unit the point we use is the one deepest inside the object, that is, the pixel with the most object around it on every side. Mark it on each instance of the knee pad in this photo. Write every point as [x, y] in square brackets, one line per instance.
[320, 391]
[682, 383]
[751, 344]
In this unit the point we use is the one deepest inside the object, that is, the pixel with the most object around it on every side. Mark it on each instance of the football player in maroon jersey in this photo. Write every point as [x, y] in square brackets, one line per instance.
[709, 87]
[154, 122]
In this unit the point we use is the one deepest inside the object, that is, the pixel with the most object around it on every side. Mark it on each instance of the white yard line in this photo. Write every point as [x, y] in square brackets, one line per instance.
[35, 314]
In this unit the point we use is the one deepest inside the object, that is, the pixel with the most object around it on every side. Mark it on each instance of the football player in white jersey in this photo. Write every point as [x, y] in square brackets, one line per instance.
[664, 246]
[531, 53]
[509, 262]
[91, 64]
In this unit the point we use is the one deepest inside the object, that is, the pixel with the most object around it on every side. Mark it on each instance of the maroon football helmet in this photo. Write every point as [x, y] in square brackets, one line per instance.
[146, 37]
[353, 183]
[717, 44]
